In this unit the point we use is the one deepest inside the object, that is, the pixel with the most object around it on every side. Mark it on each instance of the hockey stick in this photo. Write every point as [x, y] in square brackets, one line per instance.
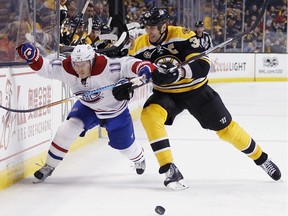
[102, 37]
[80, 18]
[110, 36]
[111, 51]
[116, 46]
[137, 82]
[212, 49]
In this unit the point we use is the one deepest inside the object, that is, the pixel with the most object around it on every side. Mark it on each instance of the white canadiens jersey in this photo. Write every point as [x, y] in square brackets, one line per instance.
[105, 71]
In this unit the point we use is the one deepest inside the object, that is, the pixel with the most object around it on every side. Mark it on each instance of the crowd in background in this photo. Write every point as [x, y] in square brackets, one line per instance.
[136, 8]
[222, 19]
[271, 33]
[17, 26]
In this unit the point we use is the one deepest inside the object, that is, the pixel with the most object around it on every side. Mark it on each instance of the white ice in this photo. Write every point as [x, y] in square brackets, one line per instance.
[97, 180]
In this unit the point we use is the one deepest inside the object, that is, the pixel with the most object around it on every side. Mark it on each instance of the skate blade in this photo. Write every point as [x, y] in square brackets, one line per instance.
[180, 185]
[37, 181]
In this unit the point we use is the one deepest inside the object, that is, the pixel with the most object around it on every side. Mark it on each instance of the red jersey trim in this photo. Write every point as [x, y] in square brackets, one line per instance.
[67, 65]
[99, 65]
[37, 65]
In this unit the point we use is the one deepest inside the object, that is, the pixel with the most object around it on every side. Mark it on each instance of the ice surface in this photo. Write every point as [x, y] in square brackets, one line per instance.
[97, 180]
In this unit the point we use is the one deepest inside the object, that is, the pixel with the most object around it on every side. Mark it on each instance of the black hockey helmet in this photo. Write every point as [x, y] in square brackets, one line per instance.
[97, 25]
[199, 24]
[155, 17]
[63, 16]
[105, 29]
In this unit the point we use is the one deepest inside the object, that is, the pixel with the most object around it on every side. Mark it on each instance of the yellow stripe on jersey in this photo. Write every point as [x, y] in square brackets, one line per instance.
[182, 86]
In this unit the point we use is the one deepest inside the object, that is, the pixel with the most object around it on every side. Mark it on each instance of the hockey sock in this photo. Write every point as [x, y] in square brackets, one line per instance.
[134, 152]
[68, 131]
[238, 137]
[153, 118]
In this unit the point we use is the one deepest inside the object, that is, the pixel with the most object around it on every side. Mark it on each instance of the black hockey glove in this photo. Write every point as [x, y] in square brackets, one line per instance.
[165, 74]
[123, 90]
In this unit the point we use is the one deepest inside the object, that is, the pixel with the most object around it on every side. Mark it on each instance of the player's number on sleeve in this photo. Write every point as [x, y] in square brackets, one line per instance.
[195, 43]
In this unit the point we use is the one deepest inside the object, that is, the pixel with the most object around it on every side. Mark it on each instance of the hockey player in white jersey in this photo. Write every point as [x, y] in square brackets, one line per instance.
[84, 70]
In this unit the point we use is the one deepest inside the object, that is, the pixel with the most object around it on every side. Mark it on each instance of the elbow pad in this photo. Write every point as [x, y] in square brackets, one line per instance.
[196, 69]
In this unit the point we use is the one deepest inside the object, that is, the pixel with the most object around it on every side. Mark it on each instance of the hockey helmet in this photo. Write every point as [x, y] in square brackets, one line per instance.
[199, 24]
[63, 16]
[97, 25]
[155, 17]
[83, 52]
[105, 29]
[100, 26]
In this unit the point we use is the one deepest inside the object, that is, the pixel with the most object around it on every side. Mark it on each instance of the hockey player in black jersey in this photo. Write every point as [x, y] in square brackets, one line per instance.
[184, 88]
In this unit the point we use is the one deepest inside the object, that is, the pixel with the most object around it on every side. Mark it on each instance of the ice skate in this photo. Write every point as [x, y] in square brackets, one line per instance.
[43, 173]
[271, 169]
[174, 179]
[140, 167]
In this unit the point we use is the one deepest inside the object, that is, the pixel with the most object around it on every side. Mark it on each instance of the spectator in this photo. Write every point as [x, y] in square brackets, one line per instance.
[150, 3]
[219, 37]
[253, 11]
[7, 41]
[249, 48]
[71, 9]
[88, 17]
[89, 13]
[277, 48]
[267, 46]
[233, 48]
[99, 15]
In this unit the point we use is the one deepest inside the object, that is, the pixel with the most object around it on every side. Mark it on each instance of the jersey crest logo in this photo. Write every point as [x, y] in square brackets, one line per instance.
[93, 98]
[163, 59]
[186, 31]
[147, 55]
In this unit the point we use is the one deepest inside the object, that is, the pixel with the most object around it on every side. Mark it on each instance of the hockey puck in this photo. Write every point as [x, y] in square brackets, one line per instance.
[160, 210]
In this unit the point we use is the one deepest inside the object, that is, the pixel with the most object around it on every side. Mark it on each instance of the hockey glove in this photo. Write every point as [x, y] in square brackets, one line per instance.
[28, 52]
[123, 90]
[166, 73]
[145, 68]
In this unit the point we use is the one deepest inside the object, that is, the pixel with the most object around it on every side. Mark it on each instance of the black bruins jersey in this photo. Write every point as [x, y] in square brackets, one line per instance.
[179, 45]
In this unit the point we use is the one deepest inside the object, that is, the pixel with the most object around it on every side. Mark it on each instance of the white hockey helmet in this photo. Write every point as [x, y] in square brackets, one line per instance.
[83, 52]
